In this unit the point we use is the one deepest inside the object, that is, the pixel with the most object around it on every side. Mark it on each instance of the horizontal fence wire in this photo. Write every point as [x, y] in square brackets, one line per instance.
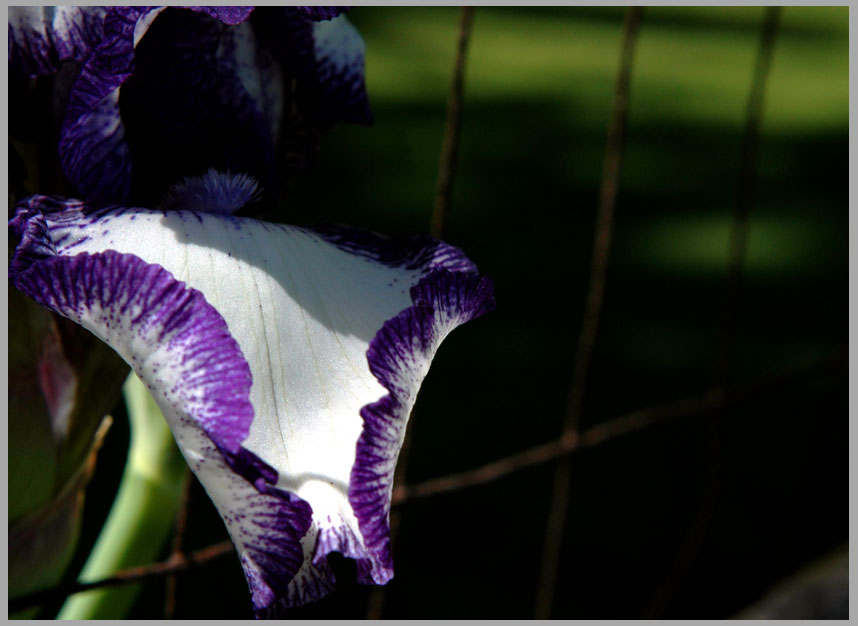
[632, 422]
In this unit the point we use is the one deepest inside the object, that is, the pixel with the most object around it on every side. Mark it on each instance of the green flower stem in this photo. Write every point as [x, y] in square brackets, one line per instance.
[143, 514]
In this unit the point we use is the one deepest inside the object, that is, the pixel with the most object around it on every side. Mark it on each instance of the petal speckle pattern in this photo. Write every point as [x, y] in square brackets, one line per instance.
[331, 331]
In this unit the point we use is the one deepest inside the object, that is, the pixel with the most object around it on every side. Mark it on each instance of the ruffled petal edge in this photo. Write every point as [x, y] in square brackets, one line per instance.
[181, 348]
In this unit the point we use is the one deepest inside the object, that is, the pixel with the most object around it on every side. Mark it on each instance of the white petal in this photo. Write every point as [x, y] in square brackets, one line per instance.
[338, 328]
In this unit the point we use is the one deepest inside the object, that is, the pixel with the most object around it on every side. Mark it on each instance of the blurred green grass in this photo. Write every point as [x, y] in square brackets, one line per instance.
[538, 92]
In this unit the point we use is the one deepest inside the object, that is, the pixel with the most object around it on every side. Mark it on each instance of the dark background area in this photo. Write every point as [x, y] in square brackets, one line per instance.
[537, 100]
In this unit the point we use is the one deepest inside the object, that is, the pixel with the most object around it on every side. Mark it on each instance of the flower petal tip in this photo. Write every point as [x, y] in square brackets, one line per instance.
[341, 90]
[287, 361]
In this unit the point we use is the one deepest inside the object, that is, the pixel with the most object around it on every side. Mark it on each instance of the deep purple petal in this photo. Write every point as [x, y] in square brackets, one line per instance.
[92, 146]
[412, 252]
[182, 350]
[338, 91]
[187, 103]
[40, 38]
[327, 60]
[321, 13]
[94, 152]
[202, 96]
[227, 15]
[269, 524]
[397, 356]
[144, 310]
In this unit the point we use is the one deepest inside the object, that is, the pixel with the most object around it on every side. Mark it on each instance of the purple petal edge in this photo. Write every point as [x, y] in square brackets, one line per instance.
[180, 316]
[41, 38]
[93, 149]
[267, 523]
[226, 14]
[411, 252]
[272, 553]
[442, 300]
[319, 13]
[450, 292]
[337, 91]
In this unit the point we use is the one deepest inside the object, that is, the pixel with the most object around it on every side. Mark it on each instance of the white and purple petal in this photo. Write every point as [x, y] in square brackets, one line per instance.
[203, 95]
[94, 147]
[156, 94]
[180, 347]
[326, 57]
[338, 93]
[336, 327]
[41, 38]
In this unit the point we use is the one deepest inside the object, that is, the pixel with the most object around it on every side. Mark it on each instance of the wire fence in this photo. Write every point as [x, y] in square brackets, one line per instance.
[708, 405]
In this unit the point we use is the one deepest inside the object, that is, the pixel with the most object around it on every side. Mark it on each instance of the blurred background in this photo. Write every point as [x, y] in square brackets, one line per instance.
[698, 516]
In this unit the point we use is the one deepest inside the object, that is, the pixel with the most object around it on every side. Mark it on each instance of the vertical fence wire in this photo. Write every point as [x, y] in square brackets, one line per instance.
[443, 194]
[452, 130]
[178, 552]
[592, 313]
[695, 535]
[722, 366]
[739, 228]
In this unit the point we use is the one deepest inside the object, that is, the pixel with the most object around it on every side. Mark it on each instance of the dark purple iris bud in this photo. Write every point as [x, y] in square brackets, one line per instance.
[146, 96]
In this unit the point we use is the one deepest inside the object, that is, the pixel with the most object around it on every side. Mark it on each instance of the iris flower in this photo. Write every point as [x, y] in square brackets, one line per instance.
[285, 359]
[145, 96]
